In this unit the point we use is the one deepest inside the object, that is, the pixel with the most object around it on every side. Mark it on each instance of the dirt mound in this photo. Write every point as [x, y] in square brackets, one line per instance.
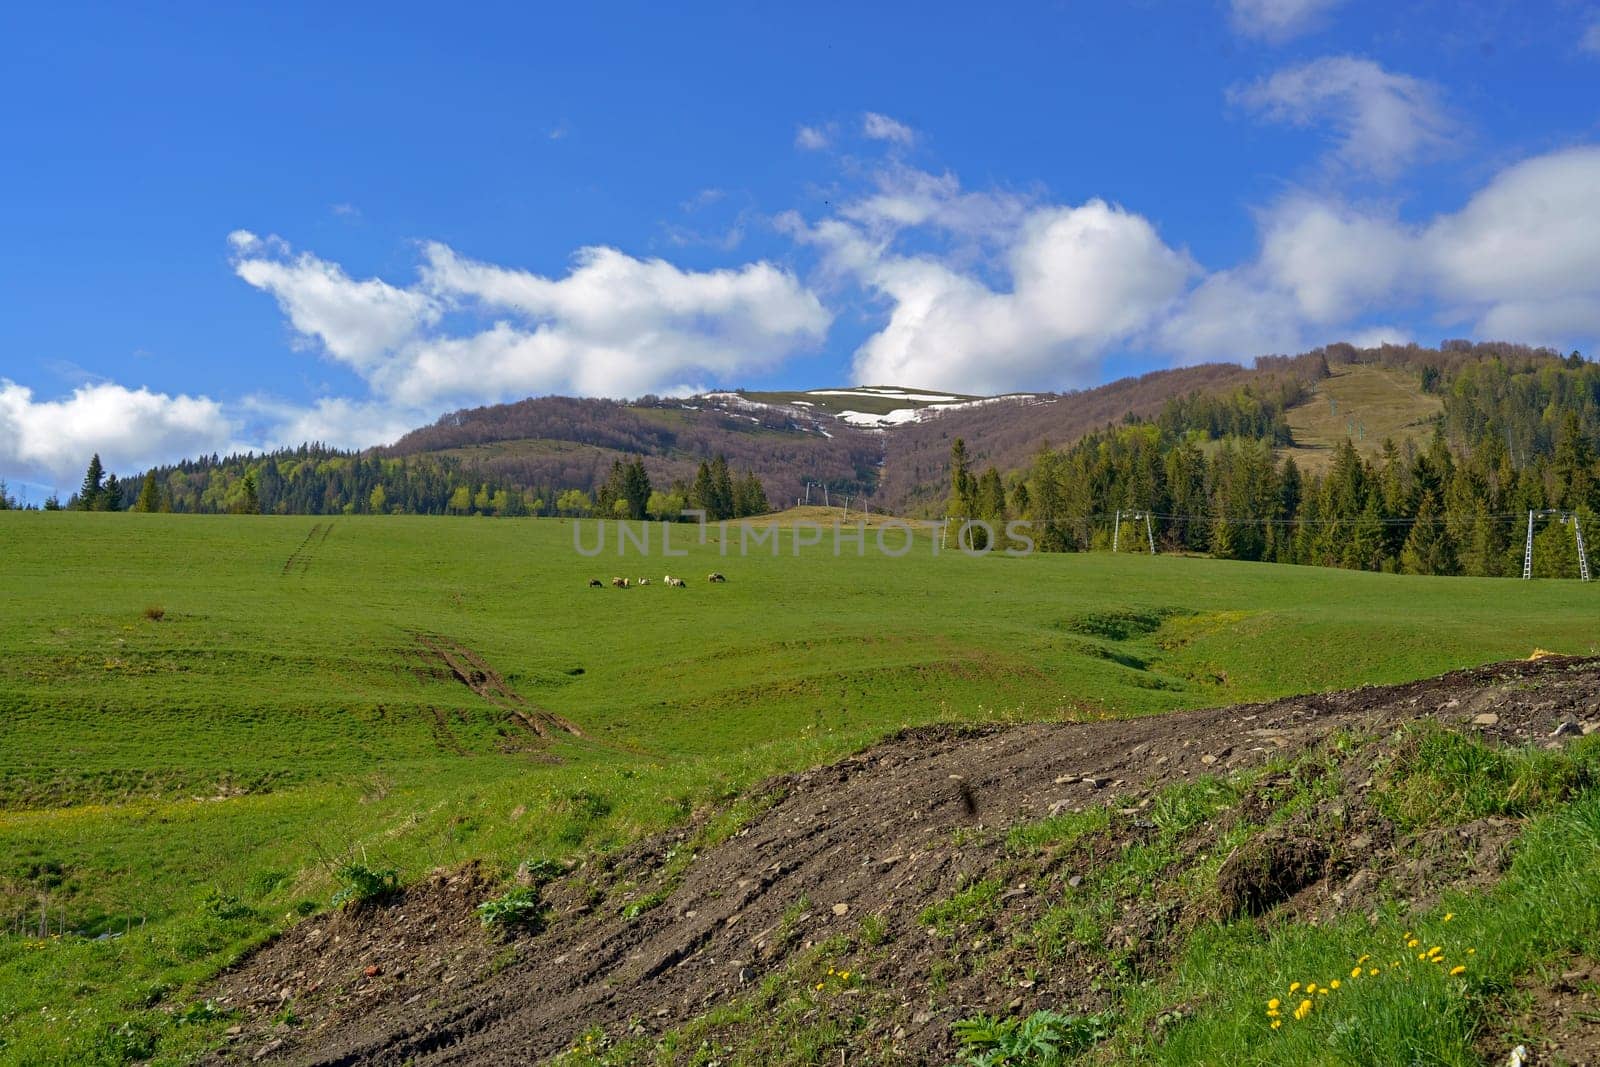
[1266, 871]
[641, 941]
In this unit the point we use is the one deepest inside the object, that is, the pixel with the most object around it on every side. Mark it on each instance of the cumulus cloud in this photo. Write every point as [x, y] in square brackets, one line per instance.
[1277, 21]
[1075, 280]
[50, 441]
[883, 128]
[612, 326]
[1519, 261]
[1382, 121]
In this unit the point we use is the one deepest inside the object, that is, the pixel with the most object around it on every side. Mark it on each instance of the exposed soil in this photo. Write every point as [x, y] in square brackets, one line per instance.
[885, 833]
[472, 671]
[1562, 1016]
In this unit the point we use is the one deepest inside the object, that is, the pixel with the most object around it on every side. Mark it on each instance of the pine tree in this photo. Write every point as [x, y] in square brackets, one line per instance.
[1428, 550]
[111, 494]
[249, 497]
[722, 489]
[703, 494]
[149, 495]
[93, 484]
[636, 489]
[963, 487]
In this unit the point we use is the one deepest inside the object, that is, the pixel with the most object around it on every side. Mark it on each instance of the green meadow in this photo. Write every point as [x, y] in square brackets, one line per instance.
[204, 717]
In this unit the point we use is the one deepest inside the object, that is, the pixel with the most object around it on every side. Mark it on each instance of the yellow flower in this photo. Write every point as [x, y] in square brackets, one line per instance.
[1422, 955]
[1449, 915]
[1355, 972]
[1435, 950]
[1373, 971]
[1277, 1023]
[1412, 942]
[844, 976]
[1334, 984]
[1303, 1010]
[819, 985]
[1272, 1005]
[1472, 952]
[1363, 959]
[1458, 970]
[1294, 987]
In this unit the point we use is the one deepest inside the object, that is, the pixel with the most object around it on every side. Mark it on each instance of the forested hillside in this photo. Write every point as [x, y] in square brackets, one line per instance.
[1284, 460]
[1518, 433]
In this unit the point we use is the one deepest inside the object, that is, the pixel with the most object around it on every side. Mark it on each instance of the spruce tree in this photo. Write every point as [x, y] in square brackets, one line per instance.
[722, 489]
[93, 484]
[249, 498]
[1428, 550]
[149, 495]
[636, 489]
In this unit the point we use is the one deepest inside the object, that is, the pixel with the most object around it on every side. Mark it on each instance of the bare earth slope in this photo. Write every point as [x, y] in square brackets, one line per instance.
[418, 981]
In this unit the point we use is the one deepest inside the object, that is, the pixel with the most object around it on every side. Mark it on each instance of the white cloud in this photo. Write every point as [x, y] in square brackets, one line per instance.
[1383, 120]
[357, 321]
[1520, 261]
[811, 138]
[1079, 279]
[338, 422]
[883, 128]
[50, 441]
[1277, 21]
[613, 326]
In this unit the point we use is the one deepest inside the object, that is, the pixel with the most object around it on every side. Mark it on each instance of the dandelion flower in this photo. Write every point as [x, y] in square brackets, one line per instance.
[1373, 972]
[1412, 942]
[844, 976]
[1458, 969]
[1449, 915]
[1472, 952]
[1277, 1023]
[1294, 987]
[1272, 1005]
[1334, 984]
[819, 985]
[1355, 972]
[1364, 959]
[1435, 950]
[1303, 1010]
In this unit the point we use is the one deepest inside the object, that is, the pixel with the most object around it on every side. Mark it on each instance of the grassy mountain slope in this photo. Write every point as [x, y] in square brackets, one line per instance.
[313, 693]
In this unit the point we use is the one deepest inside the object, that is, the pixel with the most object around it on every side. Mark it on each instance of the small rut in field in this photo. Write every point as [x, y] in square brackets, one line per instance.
[474, 672]
[300, 559]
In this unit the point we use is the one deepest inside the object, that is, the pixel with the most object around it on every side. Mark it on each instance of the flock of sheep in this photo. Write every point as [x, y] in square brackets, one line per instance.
[627, 583]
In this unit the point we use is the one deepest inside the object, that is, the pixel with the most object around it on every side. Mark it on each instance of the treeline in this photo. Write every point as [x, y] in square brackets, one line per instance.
[1517, 434]
[314, 480]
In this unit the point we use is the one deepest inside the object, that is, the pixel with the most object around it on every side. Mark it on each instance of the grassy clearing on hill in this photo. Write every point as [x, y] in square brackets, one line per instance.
[193, 782]
[1365, 404]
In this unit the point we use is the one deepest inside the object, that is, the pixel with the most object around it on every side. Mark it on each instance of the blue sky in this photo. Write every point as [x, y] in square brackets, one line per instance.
[232, 228]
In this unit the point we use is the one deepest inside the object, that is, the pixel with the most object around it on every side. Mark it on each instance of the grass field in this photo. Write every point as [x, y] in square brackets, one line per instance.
[1365, 404]
[191, 782]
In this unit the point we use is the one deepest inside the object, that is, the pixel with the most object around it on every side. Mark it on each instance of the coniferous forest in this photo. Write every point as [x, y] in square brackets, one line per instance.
[1214, 470]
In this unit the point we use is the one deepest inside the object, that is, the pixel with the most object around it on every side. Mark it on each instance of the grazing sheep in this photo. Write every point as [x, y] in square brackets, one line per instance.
[595, 583]
[716, 576]
[620, 583]
[678, 583]
[642, 581]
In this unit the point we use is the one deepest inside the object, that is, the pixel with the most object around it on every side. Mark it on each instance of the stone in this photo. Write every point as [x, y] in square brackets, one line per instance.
[1488, 718]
